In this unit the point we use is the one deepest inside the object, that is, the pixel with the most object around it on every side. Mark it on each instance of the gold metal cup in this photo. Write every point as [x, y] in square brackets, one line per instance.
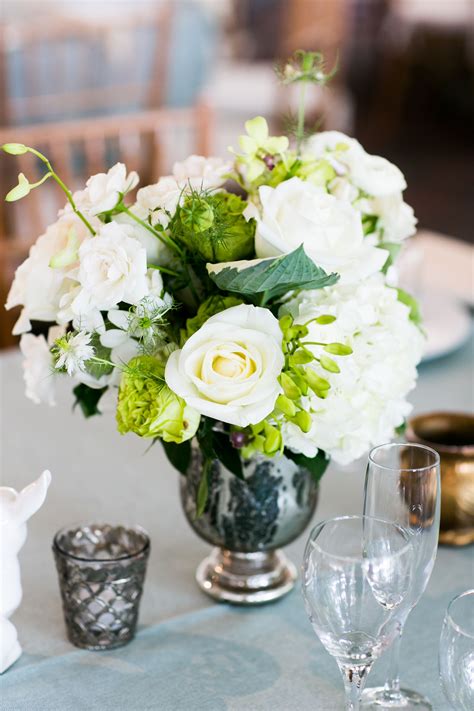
[451, 434]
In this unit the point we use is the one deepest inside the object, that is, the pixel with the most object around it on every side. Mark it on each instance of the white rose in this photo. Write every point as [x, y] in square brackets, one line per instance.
[229, 368]
[155, 248]
[102, 191]
[37, 286]
[202, 173]
[367, 398]
[297, 212]
[159, 200]
[112, 269]
[372, 174]
[38, 371]
[396, 217]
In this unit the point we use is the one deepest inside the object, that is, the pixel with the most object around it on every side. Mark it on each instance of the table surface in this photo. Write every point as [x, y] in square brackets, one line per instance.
[190, 653]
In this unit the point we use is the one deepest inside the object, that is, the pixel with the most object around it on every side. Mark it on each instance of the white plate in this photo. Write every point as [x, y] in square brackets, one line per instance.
[447, 323]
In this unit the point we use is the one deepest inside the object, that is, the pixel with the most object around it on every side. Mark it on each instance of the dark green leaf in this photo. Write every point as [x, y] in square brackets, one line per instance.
[227, 454]
[315, 465]
[87, 398]
[179, 455]
[275, 277]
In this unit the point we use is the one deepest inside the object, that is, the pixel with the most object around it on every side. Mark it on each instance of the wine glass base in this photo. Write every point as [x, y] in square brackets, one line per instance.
[378, 699]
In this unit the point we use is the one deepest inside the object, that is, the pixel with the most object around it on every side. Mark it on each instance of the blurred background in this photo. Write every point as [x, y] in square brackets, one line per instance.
[147, 82]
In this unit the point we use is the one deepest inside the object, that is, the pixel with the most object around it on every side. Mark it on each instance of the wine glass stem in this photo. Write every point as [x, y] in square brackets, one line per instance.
[392, 685]
[354, 682]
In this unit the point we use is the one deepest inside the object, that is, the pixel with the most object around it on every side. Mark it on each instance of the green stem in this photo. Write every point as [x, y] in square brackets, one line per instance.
[64, 188]
[165, 270]
[166, 240]
[301, 113]
[312, 343]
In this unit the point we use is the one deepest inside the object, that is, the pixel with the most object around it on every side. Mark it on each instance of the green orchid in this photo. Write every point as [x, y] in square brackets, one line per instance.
[259, 148]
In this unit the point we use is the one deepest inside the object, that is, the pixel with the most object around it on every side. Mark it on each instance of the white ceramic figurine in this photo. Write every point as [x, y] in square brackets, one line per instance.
[15, 509]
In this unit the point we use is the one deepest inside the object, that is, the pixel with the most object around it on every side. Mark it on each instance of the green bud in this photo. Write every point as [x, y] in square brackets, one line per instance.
[259, 443]
[286, 405]
[199, 217]
[329, 364]
[256, 429]
[273, 439]
[213, 227]
[286, 322]
[290, 389]
[301, 357]
[19, 191]
[315, 382]
[300, 381]
[14, 149]
[325, 319]
[303, 420]
[296, 331]
[338, 349]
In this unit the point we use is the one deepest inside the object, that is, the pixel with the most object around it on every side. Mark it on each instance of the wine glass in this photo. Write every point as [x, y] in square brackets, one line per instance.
[356, 572]
[402, 485]
[456, 652]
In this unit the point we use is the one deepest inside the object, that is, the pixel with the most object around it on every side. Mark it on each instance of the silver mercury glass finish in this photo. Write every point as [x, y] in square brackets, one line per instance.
[101, 571]
[247, 521]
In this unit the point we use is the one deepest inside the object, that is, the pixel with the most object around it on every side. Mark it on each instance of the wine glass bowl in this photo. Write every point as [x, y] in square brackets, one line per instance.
[356, 573]
[402, 485]
[456, 652]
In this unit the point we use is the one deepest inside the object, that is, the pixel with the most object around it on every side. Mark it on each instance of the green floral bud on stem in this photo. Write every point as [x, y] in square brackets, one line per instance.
[329, 364]
[290, 389]
[286, 405]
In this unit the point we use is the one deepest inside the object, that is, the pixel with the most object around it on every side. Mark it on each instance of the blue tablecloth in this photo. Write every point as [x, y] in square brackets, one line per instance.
[190, 653]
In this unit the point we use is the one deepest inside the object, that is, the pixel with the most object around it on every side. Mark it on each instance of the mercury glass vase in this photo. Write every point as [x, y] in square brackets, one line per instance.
[248, 520]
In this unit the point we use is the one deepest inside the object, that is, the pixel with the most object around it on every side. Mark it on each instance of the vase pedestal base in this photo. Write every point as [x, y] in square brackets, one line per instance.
[246, 578]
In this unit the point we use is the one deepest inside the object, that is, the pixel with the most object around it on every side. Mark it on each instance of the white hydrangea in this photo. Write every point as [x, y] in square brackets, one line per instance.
[367, 399]
[371, 183]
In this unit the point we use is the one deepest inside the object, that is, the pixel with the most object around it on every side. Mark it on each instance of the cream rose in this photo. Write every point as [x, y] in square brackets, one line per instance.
[297, 212]
[229, 368]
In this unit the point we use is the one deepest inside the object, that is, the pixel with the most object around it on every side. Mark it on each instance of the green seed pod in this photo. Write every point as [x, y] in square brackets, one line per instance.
[315, 382]
[272, 439]
[290, 389]
[300, 381]
[303, 420]
[286, 322]
[286, 405]
[325, 319]
[338, 349]
[329, 364]
[301, 357]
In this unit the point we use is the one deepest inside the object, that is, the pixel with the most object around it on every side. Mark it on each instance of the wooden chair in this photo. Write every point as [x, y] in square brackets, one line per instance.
[60, 68]
[148, 142]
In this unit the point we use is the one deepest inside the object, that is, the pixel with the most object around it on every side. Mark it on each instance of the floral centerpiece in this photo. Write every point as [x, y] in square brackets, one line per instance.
[243, 312]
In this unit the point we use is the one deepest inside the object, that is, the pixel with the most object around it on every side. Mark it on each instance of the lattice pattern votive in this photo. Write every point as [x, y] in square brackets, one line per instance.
[101, 572]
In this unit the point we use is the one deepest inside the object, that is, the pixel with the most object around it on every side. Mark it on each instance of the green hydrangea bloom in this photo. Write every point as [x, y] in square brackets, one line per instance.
[213, 226]
[148, 407]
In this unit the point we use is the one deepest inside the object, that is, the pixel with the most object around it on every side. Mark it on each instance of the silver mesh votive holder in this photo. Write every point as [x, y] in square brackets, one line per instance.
[101, 571]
